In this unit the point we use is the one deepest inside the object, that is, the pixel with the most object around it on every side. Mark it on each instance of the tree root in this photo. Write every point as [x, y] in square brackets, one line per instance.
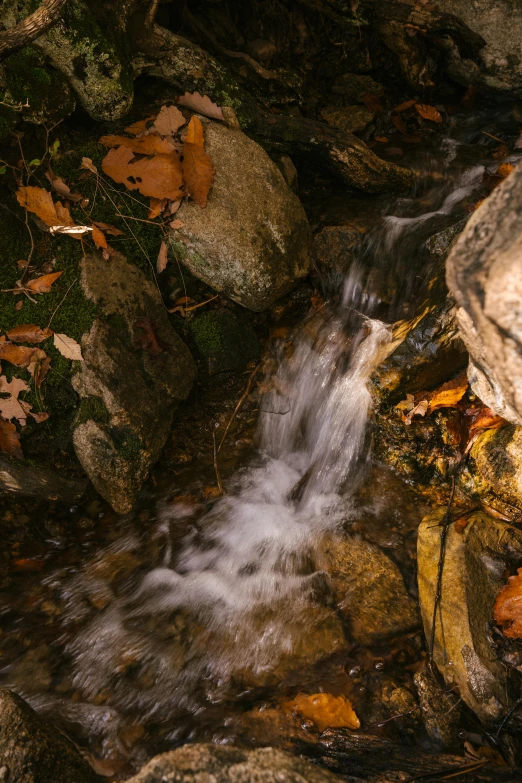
[30, 28]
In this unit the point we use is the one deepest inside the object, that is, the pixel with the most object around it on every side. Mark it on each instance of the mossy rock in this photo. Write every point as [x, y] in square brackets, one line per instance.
[225, 343]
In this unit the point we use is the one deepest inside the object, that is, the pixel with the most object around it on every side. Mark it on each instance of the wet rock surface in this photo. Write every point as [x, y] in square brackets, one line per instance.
[224, 342]
[39, 483]
[440, 709]
[252, 242]
[128, 393]
[221, 764]
[349, 119]
[484, 276]
[31, 751]
[474, 567]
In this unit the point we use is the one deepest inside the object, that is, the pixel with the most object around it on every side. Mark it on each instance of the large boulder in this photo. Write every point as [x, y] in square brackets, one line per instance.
[494, 470]
[252, 242]
[135, 370]
[31, 751]
[474, 571]
[205, 763]
[485, 276]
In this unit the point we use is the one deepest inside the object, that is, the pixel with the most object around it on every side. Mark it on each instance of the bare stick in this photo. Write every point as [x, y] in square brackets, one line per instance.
[216, 466]
[60, 303]
[445, 523]
[31, 27]
[240, 403]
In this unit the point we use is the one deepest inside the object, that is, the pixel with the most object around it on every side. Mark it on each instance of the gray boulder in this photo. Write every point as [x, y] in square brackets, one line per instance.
[135, 370]
[252, 241]
[484, 275]
[31, 751]
[205, 763]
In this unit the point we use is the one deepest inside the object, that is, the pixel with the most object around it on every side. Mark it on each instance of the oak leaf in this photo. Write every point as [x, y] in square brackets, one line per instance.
[68, 347]
[169, 121]
[508, 607]
[152, 144]
[157, 177]
[29, 333]
[10, 407]
[139, 127]
[325, 710]
[42, 285]
[202, 105]
[428, 112]
[10, 439]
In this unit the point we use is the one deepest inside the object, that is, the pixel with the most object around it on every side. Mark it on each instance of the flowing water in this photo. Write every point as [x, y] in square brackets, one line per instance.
[223, 598]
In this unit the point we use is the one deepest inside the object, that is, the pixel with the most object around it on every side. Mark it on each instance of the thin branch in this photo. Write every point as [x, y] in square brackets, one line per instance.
[60, 303]
[240, 403]
[31, 27]
[216, 466]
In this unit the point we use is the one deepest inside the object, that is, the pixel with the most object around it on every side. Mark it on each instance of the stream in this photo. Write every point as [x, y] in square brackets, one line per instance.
[187, 615]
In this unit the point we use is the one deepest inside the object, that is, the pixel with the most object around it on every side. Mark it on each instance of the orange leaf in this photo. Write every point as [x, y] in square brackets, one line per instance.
[508, 607]
[325, 710]
[39, 201]
[449, 394]
[29, 333]
[169, 120]
[157, 177]
[139, 127]
[63, 215]
[98, 237]
[428, 112]
[10, 439]
[29, 564]
[505, 169]
[484, 419]
[399, 123]
[404, 106]
[381, 139]
[195, 132]
[152, 144]
[161, 263]
[198, 172]
[201, 104]
[19, 355]
[42, 285]
[156, 207]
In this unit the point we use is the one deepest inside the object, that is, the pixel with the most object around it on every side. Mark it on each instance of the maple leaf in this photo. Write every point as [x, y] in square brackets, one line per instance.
[68, 347]
[152, 144]
[157, 177]
[202, 105]
[29, 333]
[10, 407]
[325, 710]
[42, 285]
[169, 120]
[508, 607]
[162, 258]
[428, 112]
[198, 171]
[10, 439]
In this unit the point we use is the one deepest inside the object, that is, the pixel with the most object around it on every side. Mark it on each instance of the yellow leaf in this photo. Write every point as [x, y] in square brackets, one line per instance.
[325, 710]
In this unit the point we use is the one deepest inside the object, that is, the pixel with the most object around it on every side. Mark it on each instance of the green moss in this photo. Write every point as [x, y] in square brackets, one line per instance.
[224, 342]
[128, 444]
[93, 408]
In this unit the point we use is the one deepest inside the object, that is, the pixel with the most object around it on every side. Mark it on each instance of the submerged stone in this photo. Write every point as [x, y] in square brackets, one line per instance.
[494, 471]
[474, 570]
[252, 241]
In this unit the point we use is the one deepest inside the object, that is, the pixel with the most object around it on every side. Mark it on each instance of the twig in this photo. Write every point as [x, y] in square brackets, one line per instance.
[31, 27]
[216, 466]
[151, 13]
[60, 303]
[445, 523]
[452, 772]
[240, 403]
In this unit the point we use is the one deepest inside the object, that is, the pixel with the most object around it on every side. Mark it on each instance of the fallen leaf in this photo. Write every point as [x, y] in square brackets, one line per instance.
[407, 404]
[501, 152]
[419, 409]
[399, 123]
[325, 710]
[195, 132]
[156, 207]
[462, 522]
[68, 347]
[176, 223]
[157, 177]
[381, 139]
[373, 103]
[40, 202]
[139, 127]
[198, 171]
[10, 439]
[29, 333]
[148, 340]
[99, 238]
[61, 188]
[112, 230]
[505, 170]
[161, 263]
[19, 305]
[173, 206]
[74, 231]
[404, 106]
[508, 607]
[483, 418]
[152, 144]
[19, 355]
[202, 105]
[10, 407]
[428, 112]
[42, 285]
[39, 368]
[449, 394]
[169, 120]
[89, 165]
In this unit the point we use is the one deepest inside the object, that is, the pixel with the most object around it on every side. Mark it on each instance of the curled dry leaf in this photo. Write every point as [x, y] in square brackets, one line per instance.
[169, 121]
[112, 230]
[39, 367]
[29, 333]
[508, 607]
[202, 105]
[325, 710]
[68, 347]
[42, 285]
[99, 238]
[157, 177]
[483, 419]
[428, 112]
[152, 144]
[10, 439]
[88, 165]
[161, 263]
[61, 188]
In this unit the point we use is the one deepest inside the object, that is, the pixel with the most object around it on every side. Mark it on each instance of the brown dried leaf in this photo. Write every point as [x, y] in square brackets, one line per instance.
[198, 172]
[19, 355]
[508, 607]
[449, 394]
[399, 123]
[404, 106]
[148, 340]
[151, 144]
[10, 439]
[428, 112]
[39, 366]
[42, 285]
[29, 333]
[112, 230]
[11, 407]
[325, 710]
[139, 127]
[504, 170]
[156, 207]
[61, 188]
[161, 263]
[201, 104]
[176, 223]
[169, 120]
[98, 237]
[63, 215]
[40, 202]
[373, 103]
[157, 177]
[68, 347]
[483, 418]
[194, 133]
[381, 139]
[88, 165]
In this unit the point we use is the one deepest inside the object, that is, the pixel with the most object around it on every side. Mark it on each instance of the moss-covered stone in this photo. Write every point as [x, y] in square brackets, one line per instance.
[224, 342]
